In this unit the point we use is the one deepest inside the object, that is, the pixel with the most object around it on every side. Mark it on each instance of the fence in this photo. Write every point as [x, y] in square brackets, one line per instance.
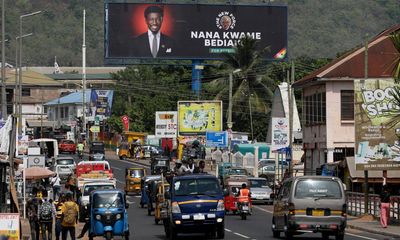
[356, 205]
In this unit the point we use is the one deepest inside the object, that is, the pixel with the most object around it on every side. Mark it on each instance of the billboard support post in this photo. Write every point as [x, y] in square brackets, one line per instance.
[197, 67]
[366, 171]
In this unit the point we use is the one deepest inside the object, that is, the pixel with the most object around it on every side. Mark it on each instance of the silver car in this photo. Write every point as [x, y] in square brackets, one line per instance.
[260, 191]
[310, 204]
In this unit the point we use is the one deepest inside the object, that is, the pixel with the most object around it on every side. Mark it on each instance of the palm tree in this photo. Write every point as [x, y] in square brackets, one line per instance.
[250, 90]
[395, 37]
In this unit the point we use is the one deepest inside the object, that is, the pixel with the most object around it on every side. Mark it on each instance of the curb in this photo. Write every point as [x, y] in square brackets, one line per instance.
[382, 232]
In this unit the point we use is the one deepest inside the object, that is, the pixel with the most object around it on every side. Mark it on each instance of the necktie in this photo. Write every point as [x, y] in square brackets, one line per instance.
[154, 46]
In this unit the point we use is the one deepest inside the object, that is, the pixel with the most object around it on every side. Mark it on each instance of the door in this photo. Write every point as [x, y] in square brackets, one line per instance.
[281, 205]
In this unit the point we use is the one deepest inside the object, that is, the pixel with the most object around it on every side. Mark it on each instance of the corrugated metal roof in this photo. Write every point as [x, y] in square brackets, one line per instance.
[30, 78]
[73, 98]
[78, 76]
[381, 55]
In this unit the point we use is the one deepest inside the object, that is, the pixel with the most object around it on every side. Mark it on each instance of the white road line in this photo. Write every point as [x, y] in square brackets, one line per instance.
[262, 209]
[116, 168]
[228, 230]
[241, 235]
[358, 236]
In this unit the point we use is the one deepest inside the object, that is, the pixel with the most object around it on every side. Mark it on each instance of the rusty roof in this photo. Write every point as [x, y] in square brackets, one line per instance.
[381, 56]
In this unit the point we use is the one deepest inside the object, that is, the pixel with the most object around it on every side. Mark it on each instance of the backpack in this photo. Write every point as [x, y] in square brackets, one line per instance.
[70, 214]
[46, 211]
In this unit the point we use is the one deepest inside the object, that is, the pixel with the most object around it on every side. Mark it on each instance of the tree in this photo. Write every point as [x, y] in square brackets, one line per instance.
[395, 38]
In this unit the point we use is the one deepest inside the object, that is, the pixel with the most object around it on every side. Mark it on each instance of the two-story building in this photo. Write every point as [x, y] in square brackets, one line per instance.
[328, 99]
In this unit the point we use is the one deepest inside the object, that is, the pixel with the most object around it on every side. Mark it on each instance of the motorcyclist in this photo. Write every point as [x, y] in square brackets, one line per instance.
[244, 195]
[80, 149]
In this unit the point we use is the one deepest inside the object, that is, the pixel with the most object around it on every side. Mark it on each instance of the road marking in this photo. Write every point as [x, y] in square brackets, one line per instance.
[117, 168]
[262, 209]
[238, 234]
[358, 236]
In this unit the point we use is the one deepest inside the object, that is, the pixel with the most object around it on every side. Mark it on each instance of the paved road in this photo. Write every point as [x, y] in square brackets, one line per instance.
[257, 226]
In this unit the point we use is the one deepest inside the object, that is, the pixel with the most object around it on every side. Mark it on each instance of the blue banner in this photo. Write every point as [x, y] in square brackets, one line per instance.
[217, 139]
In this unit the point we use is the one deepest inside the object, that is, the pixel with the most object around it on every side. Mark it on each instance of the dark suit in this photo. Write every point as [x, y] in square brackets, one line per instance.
[140, 46]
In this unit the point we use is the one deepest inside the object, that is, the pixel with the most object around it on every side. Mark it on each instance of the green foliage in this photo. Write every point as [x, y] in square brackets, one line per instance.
[315, 28]
[395, 38]
[115, 124]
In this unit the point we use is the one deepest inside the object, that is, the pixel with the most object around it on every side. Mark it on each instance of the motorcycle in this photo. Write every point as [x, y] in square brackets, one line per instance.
[80, 154]
[243, 209]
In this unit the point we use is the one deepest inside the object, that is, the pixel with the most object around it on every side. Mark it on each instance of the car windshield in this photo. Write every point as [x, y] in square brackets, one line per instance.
[259, 183]
[97, 148]
[184, 187]
[91, 188]
[107, 200]
[65, 162]
[137, 173]
[67, 142]
[268, 168]
[318, 188]
[238, 171]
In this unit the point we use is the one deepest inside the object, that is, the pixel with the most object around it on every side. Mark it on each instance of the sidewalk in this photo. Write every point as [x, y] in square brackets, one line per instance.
[373, 226]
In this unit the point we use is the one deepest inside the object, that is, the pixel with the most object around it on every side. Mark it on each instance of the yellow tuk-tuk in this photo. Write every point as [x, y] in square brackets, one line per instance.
[133, 180]
[160, 211]
[124, 151]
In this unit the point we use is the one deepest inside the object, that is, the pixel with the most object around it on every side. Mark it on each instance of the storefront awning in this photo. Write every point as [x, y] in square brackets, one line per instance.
[38, 123]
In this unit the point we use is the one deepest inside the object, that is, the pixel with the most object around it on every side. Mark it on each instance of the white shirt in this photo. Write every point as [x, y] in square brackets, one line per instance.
[56, 181]
[151, 36]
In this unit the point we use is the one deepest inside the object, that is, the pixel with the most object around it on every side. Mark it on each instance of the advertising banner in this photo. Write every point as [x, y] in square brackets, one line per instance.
[125, 122]
[166, 124]
[100, 104]
[9, 226]
[376, 123]
[217, 139]
[36, 161]
[197, 117]
[190, 31]
[280, 133]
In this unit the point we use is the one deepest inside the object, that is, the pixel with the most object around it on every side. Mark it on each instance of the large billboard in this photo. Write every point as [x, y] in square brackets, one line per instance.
[376, 121]
[198, 117]
[100, 104]
[190, 31]
[166, 124]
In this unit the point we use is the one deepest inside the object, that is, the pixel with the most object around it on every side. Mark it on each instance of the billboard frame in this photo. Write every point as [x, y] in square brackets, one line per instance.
[145, 60]
[199, 101]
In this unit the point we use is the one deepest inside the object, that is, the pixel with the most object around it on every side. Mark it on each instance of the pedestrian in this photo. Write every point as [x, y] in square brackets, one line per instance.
[46, 214]
[385, 206]
[70, 211]
[56, 183]
[200, 168]
[32, 210]
[58, 205]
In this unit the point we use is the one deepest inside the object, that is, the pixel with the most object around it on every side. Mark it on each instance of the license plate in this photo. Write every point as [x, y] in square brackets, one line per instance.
[245, 208]
[260, 198]
[198, 217]
[318, 212]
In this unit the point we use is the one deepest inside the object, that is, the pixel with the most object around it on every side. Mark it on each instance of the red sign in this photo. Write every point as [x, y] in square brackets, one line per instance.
[125, 121]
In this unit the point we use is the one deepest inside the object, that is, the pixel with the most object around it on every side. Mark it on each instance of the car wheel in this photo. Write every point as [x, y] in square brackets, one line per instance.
[126, 236]
[340, 236]
[221, 232]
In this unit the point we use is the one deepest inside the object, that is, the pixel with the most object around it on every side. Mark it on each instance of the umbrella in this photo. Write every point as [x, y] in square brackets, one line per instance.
[37, 173]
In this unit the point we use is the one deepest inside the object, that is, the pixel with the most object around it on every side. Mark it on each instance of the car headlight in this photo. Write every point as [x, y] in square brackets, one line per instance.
[118, 216]
[98, 217]
[220, 205]
[175, 208]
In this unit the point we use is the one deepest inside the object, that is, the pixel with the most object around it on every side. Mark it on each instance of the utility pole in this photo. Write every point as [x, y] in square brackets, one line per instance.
[366, 171]
[3, 63]
[290, 92]
[84, 75]
[229, 123]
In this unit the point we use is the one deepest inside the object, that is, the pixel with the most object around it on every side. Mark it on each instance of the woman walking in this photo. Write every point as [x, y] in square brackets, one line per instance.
[385, 206]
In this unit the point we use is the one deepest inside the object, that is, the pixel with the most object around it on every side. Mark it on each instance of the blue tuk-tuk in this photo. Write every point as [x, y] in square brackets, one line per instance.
[144, 198]
[108, 214]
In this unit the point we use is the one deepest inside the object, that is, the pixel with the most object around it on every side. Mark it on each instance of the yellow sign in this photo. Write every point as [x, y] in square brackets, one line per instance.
[199, 116]
[95, 129]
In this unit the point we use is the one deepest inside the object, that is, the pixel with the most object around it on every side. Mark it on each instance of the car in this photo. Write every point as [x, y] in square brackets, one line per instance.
[310, 204]
[67, 146]
[96, 151]
[149, 150]
[260, 191]
[64, 167]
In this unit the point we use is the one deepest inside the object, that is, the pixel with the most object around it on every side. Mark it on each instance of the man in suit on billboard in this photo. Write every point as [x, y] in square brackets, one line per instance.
[153, 43]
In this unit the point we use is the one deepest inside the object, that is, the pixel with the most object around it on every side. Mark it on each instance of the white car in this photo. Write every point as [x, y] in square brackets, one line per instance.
[260, 191]
[64, 166]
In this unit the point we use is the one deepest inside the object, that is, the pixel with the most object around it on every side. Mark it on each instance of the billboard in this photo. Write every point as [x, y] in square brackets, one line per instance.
[190, 31]
[217, 139]
[166, 124]
[198, 117]
[377, 146]
[100, 104]
[9, 226]
[280, 133]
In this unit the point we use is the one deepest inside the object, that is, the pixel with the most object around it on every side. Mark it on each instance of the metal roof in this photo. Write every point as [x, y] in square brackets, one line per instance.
[73, 98]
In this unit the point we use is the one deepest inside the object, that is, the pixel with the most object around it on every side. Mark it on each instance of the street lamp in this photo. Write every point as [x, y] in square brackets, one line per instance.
[17, 72]
[20, 68]
[229, 122]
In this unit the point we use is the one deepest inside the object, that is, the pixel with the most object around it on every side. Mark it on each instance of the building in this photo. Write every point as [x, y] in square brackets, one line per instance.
[328, 100]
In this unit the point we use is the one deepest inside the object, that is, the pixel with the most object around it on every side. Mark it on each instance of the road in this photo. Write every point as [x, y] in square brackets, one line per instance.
[257, 226]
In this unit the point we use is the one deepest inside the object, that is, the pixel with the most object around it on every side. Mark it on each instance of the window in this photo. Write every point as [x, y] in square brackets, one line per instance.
[347, 104]
[315, 109]
[315, 188]
[26, 92]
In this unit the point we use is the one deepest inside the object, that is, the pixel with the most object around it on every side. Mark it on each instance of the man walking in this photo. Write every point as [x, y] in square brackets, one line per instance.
[55, 182]
[70, 212]
[32, 209]
[46, 213]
